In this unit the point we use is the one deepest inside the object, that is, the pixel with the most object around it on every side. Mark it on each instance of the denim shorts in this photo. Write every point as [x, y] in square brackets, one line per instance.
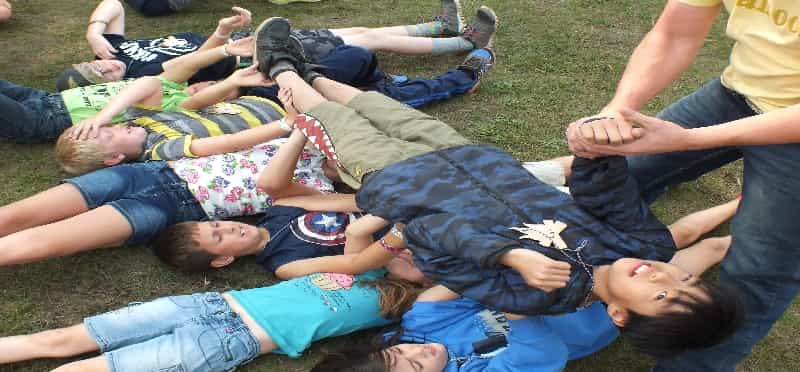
[197, 332]
[150, 196]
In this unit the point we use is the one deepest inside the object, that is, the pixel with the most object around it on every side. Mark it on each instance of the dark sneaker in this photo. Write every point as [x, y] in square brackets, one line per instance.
[311, 71]
[274, 42]
[479, 62]
[480, 32]
[450, 16]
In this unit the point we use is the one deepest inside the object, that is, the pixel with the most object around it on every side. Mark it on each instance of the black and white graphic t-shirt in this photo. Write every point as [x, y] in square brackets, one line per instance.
[143, 57]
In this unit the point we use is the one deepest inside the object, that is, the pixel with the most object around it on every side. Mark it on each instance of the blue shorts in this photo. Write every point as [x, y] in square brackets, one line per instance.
[150, 196]
[197, 332]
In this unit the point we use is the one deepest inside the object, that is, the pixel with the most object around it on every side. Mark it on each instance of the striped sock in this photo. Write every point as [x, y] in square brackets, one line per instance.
[451, 45]
[434, 28]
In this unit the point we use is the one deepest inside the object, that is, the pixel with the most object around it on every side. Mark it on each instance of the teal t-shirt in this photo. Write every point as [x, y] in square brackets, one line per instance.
[297, 312]
[85, 102]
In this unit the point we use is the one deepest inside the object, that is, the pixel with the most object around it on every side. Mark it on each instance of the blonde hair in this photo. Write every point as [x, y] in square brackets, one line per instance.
[79, 156]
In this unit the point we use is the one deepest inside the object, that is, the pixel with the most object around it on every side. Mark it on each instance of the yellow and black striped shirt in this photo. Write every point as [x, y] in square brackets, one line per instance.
[169, 134]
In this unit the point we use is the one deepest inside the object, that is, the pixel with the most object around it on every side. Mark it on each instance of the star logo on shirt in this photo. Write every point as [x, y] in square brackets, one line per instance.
[327, 221]
[546, 233]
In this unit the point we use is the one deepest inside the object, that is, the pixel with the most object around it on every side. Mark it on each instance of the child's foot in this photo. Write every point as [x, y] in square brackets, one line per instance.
[277, 50]
[479, 62]
[480, 32]
[450, 17]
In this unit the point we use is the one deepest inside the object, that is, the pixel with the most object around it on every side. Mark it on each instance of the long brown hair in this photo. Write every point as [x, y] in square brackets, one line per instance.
[396, 295]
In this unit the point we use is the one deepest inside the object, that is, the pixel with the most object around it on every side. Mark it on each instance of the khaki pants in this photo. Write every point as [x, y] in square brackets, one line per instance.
[373, 131]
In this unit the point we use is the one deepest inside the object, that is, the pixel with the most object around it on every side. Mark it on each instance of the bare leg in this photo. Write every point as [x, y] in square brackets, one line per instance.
[335, 91]
[688, 229]
[352, 31]
[97, 228]
[304, 97]
[96, 364]
[56, 343]
[45, 207]
[410, 45]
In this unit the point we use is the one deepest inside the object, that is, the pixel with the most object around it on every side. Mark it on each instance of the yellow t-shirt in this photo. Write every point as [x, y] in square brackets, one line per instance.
[765, 61]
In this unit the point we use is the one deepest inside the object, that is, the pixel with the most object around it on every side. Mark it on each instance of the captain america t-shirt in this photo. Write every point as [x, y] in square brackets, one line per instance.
[144, 57]
[296, 234]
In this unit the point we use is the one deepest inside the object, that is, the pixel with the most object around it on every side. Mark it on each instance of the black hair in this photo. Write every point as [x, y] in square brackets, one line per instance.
[178, 247]
[704, 323]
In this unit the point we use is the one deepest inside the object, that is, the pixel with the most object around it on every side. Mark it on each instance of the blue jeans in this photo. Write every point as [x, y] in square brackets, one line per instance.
[149, 195]
[764, 257]
[358, 67]
[197, 332]
[31, 115]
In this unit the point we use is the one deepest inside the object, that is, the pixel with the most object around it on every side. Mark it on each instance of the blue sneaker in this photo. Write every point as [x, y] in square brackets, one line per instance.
[479, 62]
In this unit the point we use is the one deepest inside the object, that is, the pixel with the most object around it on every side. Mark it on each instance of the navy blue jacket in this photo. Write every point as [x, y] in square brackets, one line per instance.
[459, 205]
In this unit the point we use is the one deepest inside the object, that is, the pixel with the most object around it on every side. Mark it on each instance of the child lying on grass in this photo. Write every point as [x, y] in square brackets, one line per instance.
[478, 223]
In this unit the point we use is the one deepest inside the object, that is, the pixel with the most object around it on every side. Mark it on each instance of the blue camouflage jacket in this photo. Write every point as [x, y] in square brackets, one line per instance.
[459, 205]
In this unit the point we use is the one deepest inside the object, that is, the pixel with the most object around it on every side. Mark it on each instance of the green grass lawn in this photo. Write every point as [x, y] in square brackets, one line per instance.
[558, 60]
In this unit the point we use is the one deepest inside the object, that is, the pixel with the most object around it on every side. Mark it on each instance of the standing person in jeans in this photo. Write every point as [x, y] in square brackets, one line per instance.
[749, 112]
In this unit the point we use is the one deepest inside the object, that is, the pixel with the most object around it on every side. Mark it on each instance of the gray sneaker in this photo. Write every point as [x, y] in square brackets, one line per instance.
[480, 32]
[274, 43]
[450, 16]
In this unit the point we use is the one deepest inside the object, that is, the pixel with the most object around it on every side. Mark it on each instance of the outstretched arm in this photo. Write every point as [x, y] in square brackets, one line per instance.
[371, 258]
[657, 136]
[236, 141]
[664, 53]
[225, 26]
[184, 67]
[107, 18]
[226, 89]
[321, 203]
[361, 253]
[703, 255]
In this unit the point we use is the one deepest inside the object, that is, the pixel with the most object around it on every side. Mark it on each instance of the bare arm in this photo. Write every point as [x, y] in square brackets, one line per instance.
[225, 26]
[184, 67]
[701, 256]
[321, 203]
[664, 53]
[145, 90]
[107, 18]
[236, 141]
[226, 89]
[276, 178]
[657, 136]
[369, 259]
[359, 234]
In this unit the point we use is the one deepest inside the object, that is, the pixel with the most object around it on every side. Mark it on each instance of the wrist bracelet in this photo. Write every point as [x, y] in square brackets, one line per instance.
[392, 249]
[225, 52]
[396, 232]
[221, 37]
[98, 21]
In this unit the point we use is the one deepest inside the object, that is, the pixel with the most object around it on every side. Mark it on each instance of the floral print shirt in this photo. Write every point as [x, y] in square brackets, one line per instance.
[225, 185]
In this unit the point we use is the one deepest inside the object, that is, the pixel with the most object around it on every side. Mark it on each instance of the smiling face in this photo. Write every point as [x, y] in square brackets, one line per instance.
[417, 357]
[230, 238]
[109, 69]
[650, 287]
[122, 139]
